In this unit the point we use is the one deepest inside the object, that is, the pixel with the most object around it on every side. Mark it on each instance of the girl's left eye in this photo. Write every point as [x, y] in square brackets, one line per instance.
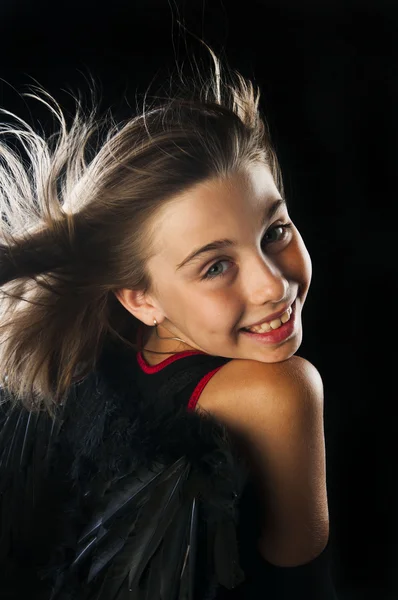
[284, 227]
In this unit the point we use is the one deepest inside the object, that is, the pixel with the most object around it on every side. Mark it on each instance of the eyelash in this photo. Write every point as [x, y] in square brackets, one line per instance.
[284, 226]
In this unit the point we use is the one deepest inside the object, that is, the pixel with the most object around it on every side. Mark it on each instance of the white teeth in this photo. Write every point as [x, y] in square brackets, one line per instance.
[264, 326]
[285, 317]
[274, 324]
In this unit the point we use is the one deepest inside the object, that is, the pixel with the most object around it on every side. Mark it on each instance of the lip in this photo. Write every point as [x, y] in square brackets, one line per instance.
[276, 336]
[275, 315]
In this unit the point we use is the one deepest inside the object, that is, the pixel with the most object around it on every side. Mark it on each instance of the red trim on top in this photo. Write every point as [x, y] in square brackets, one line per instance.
[199, 388]
[147, 368]
[155, 368]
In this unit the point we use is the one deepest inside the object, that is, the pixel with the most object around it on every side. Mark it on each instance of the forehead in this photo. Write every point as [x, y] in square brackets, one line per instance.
[210, 209]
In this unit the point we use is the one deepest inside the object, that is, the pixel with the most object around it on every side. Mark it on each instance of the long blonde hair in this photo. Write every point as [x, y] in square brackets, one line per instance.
[78, 217]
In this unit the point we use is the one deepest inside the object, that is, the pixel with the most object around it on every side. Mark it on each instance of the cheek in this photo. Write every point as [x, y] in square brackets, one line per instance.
[298, 261]
[218, 309]
[304, 263]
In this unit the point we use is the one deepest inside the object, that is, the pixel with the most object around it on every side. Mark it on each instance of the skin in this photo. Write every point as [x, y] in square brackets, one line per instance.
[261, 276]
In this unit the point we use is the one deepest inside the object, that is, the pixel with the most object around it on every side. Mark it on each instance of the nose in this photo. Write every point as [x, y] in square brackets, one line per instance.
[266, 282]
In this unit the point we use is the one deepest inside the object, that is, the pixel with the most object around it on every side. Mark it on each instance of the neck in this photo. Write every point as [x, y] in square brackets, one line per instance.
[152, 342]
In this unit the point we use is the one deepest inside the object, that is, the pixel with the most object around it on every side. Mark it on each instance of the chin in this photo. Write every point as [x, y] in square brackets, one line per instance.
[279, 353]
[277, 357]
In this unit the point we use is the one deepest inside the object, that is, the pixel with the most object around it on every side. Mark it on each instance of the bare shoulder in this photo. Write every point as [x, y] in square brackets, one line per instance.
[242, 383]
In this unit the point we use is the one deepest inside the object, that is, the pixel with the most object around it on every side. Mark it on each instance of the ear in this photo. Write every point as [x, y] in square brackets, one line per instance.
[138, 304]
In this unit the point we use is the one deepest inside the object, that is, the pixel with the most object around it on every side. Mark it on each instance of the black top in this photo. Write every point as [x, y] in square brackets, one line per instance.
[178, 379]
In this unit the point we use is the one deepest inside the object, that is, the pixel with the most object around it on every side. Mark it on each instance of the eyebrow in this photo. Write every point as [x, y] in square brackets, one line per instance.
[226, 243]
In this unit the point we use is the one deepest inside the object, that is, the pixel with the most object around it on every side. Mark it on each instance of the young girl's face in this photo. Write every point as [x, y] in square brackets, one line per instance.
[263, 269]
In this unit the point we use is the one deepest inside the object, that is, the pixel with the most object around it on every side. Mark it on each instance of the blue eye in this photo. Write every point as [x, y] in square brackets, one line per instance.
[284, 227]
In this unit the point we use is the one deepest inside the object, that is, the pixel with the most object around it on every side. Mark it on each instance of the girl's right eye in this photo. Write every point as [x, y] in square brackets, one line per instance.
[209, 275]
[285, 230]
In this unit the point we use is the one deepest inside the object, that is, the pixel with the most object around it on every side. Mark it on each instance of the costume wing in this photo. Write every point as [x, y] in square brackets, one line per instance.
[161, 533]
[143, 542]
[138, 544]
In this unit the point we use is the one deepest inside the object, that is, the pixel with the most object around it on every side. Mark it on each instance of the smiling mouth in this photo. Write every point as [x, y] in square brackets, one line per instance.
[267, 326]
[275, 332]
[272, 323]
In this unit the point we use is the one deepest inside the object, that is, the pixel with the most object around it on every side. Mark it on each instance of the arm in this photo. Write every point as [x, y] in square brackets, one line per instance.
[276, 417]
[274, 412]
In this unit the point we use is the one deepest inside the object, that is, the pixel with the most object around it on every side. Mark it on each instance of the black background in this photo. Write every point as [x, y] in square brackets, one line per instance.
[329, 78]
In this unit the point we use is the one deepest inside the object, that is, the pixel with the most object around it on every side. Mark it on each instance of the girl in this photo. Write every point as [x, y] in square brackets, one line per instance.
[160, 437]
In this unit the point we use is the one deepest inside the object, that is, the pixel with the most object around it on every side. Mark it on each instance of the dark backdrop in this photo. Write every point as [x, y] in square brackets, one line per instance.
[329, 78]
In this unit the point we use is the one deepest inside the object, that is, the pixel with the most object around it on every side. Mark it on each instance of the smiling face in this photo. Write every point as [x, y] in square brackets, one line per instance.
[207, 300]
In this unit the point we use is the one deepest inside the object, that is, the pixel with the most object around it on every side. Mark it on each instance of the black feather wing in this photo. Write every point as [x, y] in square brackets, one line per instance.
[143, 542]
[91, 518]
[154, 506]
